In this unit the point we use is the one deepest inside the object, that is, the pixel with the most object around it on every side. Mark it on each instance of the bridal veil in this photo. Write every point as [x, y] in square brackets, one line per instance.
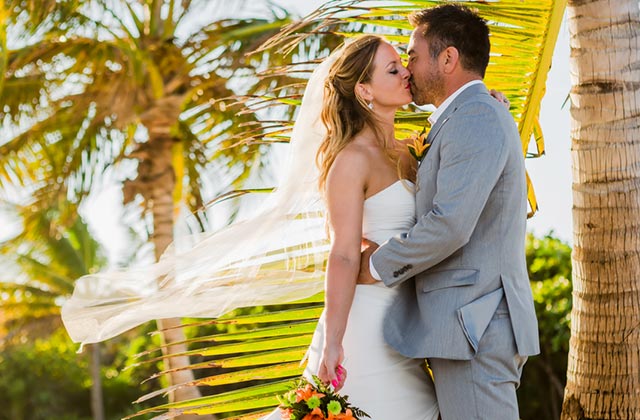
[274, 256]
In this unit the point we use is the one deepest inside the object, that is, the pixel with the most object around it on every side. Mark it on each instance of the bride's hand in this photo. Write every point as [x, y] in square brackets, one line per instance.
[500, 97]
[331, 370]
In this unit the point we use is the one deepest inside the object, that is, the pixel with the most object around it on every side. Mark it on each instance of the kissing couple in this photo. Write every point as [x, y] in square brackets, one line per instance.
[443, 276]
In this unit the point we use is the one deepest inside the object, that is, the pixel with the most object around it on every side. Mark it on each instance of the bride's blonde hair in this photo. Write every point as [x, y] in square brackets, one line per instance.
[344, 113]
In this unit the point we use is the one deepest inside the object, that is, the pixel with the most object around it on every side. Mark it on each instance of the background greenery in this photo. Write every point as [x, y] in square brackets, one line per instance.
[45, 379]
[544, 376]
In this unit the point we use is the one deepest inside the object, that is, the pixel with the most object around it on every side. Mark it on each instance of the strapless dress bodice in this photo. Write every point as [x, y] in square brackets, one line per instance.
[389, 212]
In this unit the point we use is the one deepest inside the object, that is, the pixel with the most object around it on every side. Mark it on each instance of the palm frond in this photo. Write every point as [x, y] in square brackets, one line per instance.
[52, 250]
[267, 346]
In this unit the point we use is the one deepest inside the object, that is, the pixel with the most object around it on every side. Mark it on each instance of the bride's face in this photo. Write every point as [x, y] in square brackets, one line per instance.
[389, 86]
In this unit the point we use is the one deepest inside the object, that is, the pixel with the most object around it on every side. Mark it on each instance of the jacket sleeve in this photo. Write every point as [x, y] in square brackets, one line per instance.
[472, 159]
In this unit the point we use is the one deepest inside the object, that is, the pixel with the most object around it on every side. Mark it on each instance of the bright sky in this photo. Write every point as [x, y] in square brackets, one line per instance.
[551, 174]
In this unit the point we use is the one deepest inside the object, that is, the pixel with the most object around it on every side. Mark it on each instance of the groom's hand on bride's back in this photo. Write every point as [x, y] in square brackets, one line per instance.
[364, 276]
[500, 97]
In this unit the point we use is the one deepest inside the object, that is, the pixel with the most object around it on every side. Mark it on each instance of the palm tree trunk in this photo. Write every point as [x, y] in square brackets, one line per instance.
[159, 177]
[603, 374]
[97, 402]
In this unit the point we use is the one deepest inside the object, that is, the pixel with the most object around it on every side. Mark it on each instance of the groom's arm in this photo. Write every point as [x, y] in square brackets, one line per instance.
[472, 158]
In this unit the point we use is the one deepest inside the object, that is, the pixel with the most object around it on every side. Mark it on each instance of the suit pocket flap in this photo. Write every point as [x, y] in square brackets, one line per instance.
[448, 278]
[474, 317]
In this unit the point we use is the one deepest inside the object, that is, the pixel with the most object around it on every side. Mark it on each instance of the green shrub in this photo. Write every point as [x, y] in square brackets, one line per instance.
[544, 376]
[45, 379]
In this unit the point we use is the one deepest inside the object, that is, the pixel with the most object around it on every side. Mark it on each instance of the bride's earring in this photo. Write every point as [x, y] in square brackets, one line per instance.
[370, 105]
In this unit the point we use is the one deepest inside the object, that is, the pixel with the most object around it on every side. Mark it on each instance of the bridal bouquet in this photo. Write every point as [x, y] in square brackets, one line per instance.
[316, 401]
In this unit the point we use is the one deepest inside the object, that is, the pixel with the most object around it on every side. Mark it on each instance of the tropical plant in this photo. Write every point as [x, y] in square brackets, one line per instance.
[544, 376]
[43, 379]
[41, 265]
[96, 90]
[262, 361]
[603, 371]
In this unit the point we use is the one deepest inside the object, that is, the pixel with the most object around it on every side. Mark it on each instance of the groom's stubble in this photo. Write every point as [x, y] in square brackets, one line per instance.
[428, 87]
[427, 81]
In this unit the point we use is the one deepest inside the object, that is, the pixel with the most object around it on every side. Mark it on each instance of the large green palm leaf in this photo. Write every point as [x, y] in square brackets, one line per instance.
[252, 362]
[252, 365]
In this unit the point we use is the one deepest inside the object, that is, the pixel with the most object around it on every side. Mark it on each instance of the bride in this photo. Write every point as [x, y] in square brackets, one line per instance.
[366, 178]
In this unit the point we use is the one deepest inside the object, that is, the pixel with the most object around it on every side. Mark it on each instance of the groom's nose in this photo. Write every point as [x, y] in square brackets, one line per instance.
[408, 67]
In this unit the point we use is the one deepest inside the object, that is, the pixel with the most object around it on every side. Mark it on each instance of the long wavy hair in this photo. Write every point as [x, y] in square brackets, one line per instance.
[344, 113]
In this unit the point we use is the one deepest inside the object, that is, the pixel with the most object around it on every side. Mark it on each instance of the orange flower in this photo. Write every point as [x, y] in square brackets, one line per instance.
[348, 415]
[307, 392]
[316, 414]
[418, 146]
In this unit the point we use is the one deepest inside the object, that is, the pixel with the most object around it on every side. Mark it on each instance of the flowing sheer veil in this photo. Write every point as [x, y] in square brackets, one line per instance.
[274, 256]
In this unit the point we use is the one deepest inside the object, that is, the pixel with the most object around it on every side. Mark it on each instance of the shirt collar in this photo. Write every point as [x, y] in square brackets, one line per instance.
[443, 106]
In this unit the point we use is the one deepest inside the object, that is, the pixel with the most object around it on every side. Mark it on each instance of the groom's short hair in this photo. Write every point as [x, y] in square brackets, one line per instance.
[455, 25]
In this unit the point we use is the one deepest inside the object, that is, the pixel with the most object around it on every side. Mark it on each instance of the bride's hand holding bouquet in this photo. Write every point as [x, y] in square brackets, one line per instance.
[330, 370]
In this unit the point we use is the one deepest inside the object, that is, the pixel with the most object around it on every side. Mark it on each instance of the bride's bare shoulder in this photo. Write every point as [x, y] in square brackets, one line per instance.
[354, 153]
[352, 163]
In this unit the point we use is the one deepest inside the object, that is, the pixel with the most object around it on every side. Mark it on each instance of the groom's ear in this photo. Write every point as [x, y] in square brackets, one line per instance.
[363, 90]
[449, 59]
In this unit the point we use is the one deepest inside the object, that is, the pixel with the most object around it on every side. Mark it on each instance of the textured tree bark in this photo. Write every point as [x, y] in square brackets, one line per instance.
[157, 177]
[603, 375]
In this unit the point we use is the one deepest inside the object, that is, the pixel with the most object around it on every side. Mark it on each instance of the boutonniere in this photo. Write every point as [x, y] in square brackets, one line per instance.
[418, 145]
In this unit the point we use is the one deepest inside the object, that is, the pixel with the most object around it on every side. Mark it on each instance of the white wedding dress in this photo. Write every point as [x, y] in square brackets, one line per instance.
[380, 381]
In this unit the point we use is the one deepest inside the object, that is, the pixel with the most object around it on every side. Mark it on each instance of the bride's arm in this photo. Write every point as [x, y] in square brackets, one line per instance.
[345, 199]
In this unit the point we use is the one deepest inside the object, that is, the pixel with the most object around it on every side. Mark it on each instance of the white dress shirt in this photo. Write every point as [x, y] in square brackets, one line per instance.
[432, 120]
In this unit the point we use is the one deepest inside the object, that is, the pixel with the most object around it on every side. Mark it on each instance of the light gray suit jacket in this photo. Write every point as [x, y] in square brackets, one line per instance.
[466, 250]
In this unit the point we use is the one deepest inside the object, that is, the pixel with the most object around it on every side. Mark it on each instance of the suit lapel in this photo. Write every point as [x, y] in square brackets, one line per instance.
[436, 128]
[431, 137]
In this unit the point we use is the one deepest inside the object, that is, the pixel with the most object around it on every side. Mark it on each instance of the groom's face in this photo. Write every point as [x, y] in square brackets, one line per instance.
[427, 83]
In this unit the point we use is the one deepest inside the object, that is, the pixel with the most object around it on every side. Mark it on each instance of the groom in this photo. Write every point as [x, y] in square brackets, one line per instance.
[464, 299]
